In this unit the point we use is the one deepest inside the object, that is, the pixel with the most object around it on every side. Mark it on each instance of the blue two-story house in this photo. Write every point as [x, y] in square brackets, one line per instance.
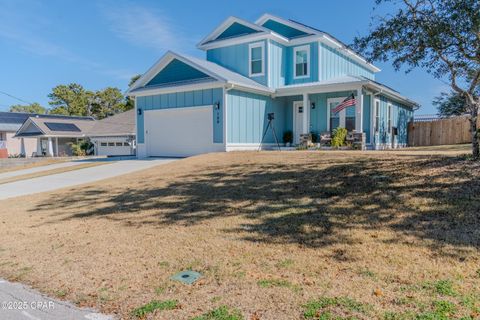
[186, 105]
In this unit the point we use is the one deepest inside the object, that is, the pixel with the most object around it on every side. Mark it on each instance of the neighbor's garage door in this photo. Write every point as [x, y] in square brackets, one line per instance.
[113, 148]
[179, 132]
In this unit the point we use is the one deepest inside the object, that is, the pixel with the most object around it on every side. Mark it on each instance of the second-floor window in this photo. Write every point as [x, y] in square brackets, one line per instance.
[256, 59]
[301, 56]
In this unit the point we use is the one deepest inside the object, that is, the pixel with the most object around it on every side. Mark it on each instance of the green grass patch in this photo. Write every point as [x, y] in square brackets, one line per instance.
[398, 316]
[442, 310]
[270, 283]
[367, 273]
[444, 288]
[221, 313]
[285, 263]
[163, 264]
[154, 305]
[60, 293]
[334, 308]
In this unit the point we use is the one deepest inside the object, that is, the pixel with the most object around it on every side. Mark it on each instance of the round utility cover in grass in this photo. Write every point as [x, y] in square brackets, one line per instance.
[187, 277]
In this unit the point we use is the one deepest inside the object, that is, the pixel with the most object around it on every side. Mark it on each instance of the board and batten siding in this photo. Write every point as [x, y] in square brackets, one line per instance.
[313, 64]
[181, 100]
[235, 58]
[247, 117]
[334, 64]
[278, 64]
[401, 116]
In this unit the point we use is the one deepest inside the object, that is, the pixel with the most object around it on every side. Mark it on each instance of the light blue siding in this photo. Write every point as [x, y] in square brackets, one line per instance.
[183, 99]
[319, 115]
[177, 71]
[334, 64]
[367, 112]
[235, 30]
[247, 117]
[235, 58]
[283, 29]
[401, 116]
[291, 65]
[140, 128]
[278, 64]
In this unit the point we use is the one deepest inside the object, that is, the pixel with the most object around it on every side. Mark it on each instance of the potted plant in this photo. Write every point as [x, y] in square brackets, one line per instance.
[315, 139]
[288, 138]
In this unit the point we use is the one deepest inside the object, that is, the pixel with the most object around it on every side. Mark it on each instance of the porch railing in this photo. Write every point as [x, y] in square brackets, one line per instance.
[3, 144]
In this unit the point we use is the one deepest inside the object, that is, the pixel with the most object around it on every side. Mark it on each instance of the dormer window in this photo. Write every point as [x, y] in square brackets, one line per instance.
[256, 60]
[301, 61]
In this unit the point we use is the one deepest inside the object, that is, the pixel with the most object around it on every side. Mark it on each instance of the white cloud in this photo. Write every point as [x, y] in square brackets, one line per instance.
[146, 27]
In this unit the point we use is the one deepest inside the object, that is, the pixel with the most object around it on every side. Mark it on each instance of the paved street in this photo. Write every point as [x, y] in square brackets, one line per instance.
[18, 302]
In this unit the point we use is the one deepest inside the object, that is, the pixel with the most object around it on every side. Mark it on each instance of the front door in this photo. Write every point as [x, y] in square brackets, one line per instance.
[298, 121]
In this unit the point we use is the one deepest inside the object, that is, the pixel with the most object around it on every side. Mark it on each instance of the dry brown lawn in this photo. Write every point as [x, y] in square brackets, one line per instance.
[41, 163]
[370, 235]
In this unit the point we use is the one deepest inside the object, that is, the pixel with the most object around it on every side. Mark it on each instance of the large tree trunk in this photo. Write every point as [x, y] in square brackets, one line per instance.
[475, 131]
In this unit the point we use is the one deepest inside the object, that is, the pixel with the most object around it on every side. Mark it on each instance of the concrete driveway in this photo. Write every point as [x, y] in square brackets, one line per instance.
[18, 302]
[114, 167]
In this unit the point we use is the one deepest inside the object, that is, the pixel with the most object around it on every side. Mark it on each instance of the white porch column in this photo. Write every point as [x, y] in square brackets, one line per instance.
[39, 147]
[22, 148]
[56, 146]
[50, 147]
[306, 114]
[359, 111]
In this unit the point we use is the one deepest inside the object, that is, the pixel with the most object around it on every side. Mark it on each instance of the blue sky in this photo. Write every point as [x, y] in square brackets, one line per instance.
[103, 43]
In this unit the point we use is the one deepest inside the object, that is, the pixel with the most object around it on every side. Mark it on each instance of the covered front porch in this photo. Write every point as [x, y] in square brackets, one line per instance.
[312, 113]
[55, 146]
[378, 114]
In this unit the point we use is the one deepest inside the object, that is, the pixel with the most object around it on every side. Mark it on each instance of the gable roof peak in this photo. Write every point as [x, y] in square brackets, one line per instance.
[212, 36]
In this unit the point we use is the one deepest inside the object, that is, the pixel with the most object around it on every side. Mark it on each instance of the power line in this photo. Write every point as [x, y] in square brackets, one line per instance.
[16, 98]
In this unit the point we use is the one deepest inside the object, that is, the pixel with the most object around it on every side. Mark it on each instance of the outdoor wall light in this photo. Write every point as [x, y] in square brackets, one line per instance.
[217, 105]
[312, 105]
[139, 111]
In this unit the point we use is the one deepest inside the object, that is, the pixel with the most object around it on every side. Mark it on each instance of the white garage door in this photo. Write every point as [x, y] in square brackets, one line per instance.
[179, 132]
[113, 149]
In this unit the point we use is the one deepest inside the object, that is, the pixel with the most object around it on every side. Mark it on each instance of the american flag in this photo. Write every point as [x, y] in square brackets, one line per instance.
[348, 102]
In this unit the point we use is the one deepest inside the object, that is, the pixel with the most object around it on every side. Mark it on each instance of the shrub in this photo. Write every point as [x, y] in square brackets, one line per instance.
[81, 148]
[288, 137]
[339, 136]
[315, 137]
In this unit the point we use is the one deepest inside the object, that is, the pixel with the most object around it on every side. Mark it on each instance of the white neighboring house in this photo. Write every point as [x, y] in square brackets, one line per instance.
[10, 122]
[112, 136]
[115, 135]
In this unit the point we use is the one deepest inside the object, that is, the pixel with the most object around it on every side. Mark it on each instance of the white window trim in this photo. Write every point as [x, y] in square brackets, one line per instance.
[390, 117]
[295, 50]
[341, 115]
[375, 115]
[250, 47]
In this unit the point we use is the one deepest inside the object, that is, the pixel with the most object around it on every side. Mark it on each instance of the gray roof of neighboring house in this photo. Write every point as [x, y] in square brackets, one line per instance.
[56, 127]
[119, 124]
[12, 121]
